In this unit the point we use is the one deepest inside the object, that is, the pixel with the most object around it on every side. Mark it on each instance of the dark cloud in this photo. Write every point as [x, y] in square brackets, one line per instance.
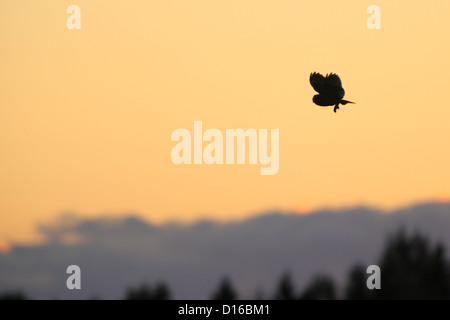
[114, 254]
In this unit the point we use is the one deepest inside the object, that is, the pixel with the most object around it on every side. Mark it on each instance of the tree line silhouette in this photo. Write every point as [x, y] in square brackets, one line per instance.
[411, 268]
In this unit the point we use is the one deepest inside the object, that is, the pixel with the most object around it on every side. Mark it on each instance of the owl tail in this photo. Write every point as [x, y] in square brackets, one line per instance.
[344, 102]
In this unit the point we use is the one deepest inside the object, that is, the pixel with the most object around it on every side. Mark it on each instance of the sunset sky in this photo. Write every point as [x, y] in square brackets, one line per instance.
[86, 115]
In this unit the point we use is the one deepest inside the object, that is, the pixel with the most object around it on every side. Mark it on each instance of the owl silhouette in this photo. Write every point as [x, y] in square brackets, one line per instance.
[330, 90]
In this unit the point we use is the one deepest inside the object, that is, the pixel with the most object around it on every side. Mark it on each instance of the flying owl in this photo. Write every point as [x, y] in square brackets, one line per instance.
[329, 88]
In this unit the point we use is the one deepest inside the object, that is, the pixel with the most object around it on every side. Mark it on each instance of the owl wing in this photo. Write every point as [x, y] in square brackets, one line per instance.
[332, 80]
[317, 80]
[332, 86]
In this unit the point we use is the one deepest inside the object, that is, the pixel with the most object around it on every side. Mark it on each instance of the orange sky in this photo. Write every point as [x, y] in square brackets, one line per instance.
[86, 115]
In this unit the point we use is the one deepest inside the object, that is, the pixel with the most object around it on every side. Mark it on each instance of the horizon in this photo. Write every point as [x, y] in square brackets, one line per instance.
[192, 258]
[38, 239]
